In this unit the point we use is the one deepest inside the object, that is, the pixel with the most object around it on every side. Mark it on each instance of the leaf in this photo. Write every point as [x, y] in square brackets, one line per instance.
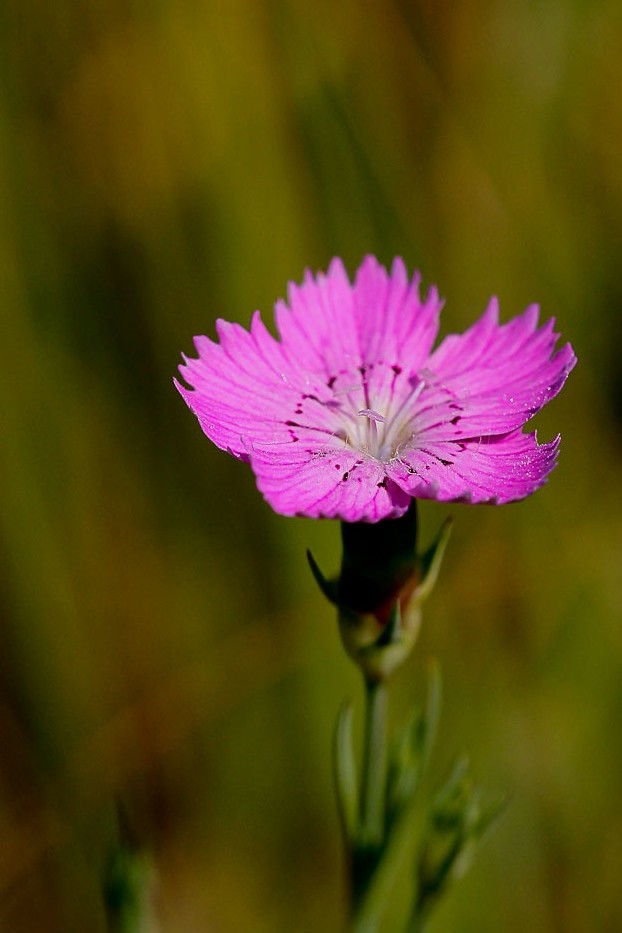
[344, 764]
[432, 712]
[412, 747]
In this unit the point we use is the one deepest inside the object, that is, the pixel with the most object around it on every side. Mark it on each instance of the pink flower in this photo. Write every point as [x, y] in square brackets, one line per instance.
[351, 413]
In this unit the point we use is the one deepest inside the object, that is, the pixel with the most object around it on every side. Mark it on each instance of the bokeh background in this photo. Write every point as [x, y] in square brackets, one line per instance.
[169, 673]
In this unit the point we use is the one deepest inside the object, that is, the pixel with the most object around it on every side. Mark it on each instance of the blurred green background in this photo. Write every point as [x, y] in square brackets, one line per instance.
[164, 652]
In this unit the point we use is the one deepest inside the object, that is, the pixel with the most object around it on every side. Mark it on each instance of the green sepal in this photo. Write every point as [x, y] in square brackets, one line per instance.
[430, 562]
[328, 587]
[391, 633]
[378, 649]
[344, 765]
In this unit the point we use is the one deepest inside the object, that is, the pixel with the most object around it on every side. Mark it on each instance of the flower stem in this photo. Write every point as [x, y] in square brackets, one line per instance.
[371, 832]
[374, 765]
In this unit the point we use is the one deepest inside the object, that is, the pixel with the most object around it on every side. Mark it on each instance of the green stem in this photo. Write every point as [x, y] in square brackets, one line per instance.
[370, 840]
[374, 778]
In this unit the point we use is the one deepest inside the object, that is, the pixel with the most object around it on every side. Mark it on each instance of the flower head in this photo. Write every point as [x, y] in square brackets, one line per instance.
[351, 413]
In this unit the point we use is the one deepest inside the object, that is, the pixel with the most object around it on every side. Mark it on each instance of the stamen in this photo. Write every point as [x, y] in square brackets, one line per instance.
[369, 413]
[372, 430]
[410, 399]
[382, 437]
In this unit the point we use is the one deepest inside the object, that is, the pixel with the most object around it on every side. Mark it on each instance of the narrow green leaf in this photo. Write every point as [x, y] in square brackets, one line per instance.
[456, 824]
[451, 796]
[432, 712]
[405, 766]
[413, 744]
[489, 816]
[344, 764]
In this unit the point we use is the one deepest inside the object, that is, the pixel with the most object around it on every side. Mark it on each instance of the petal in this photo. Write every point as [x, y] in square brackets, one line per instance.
[396, 328]
[332, 327]
[489, 469]
[492, 378]
[317, 325]
[328, 483]
[393, 323]
[245, 389]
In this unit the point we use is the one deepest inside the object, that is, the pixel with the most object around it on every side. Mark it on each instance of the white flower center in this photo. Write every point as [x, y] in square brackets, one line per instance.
[378, 435]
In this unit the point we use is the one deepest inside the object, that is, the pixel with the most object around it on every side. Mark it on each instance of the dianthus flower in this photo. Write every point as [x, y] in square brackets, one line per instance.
[351, 413]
